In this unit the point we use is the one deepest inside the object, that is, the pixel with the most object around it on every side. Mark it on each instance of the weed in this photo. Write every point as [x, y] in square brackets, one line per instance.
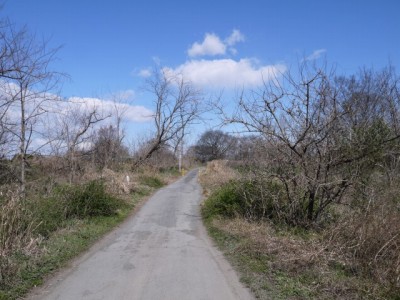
[90, 200]
[16, 236]
[225, 201]
[68, 202]
[151, 181]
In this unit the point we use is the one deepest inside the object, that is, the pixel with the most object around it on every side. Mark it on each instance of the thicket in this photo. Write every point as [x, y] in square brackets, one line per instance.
[26, 223]
[78, 201]
[248, 198]
[328, 161]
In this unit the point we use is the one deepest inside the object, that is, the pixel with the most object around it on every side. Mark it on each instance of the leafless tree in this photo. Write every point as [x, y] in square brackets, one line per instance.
[215, 144]
[28, 86]
[108, 149]
[75, 127]
[177, 106]
[315, 146]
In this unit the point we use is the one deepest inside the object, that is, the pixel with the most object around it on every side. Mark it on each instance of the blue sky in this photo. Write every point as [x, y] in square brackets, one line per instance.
[109, 45]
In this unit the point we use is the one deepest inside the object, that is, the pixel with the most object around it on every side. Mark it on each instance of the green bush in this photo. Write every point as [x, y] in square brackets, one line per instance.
[89, 200]
[226, 201]
[50, 211]
[151, 181]
[77, 201]
[251, 199]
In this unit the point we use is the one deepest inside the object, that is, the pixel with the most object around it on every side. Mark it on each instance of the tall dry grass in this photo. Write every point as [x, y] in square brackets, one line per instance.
[216, 174]
[369, 241]
[16, 235]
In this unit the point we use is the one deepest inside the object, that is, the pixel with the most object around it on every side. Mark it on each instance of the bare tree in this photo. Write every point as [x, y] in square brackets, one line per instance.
[214, 144]
[28, 85]
[107, 147]
[75, 132]
[315, 145]
[177, 106]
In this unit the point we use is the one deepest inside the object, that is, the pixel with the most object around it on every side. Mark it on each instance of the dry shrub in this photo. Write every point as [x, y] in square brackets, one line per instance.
[16, 235]
[216, 174]
[116, 183]
[295, 253]
[299, 255]
[370, 242]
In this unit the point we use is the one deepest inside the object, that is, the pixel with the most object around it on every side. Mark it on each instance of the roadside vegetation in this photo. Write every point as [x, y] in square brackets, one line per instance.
[307, 203]
[304, 198]
[40, 234]
[351, 257]
[68, 174]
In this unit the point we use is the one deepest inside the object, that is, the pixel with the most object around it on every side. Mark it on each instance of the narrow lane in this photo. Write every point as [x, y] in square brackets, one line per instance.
[162, 252]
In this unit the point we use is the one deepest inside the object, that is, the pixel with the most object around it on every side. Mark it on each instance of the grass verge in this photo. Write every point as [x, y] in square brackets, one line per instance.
[279, 264]
[76, 235]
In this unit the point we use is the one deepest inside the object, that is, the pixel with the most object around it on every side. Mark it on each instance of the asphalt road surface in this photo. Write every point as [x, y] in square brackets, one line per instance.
[162, 252]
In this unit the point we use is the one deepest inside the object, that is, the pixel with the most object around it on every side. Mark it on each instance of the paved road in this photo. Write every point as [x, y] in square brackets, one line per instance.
[163, 252]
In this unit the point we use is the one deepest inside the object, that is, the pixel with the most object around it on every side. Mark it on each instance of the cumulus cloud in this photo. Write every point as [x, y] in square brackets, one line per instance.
[211, 45]
[227, 73]
[134, 113]
[235, 37]
[316, 54]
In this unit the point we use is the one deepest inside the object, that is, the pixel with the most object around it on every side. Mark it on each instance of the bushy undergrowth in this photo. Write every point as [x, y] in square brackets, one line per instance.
[26, 223]
[251, 199]
[357, 242]
[225, 201]
[369, 243]
[77, 201]
[17, 237]
[88, 200]
[151, 181]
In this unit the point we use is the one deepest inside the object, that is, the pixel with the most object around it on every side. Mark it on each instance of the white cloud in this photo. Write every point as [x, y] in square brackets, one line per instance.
[211, 45]
[227, 73]
[138, 113]
[145, 73]
[316, 54]
[235, 37]
[134, 113]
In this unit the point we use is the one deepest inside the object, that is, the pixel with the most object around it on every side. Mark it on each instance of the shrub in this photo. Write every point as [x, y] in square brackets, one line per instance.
[251, 199]
[16, 235]
[225, 201]
[370, 240]
[151, 181]
[50, 210]
[77, 201]
[262, 199]
[89, 200]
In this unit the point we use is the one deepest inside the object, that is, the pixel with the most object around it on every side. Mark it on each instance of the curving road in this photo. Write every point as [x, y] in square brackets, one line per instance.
[162, 252]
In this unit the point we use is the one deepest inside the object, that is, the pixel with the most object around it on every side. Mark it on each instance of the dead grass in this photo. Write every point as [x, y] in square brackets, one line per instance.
[16, 236]
[123, 184]
[369, 242]
[279, 264]
[356, 257]
[215, 174]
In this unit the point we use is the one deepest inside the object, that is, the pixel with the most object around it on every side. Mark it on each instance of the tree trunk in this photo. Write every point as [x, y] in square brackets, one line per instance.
[22, 151]
[310, 206]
